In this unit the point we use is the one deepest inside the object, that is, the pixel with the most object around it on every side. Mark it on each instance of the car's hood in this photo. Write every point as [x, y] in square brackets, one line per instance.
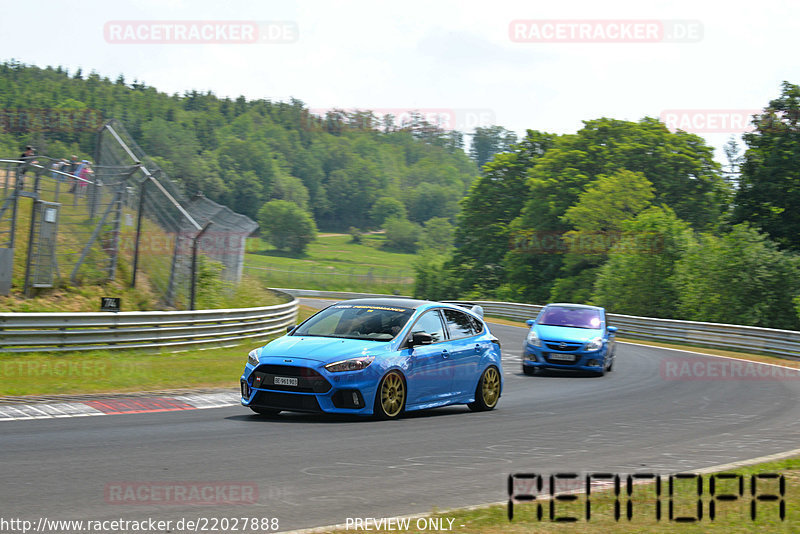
[321, 349]
[566, 333]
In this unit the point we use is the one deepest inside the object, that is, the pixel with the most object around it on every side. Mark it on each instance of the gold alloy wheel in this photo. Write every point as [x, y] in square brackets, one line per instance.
[393, 394]
[491, 387]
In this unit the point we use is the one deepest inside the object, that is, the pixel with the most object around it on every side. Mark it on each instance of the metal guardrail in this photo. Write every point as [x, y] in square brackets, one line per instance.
[783, 343]
[61, 332]
[66, 332]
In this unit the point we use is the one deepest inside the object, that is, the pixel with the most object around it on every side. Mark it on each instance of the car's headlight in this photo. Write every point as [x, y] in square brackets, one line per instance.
[252, 358]
[353, 364]
[595, 344]
[533, 338]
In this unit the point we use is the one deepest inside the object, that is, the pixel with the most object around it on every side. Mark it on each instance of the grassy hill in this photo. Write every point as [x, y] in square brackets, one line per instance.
[334, 263]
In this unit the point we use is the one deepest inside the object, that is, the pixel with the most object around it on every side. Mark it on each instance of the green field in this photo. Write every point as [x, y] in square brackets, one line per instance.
[333, 263]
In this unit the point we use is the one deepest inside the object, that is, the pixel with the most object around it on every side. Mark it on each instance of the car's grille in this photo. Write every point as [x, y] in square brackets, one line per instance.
[308, 380]
[286, 401]
[562, 345]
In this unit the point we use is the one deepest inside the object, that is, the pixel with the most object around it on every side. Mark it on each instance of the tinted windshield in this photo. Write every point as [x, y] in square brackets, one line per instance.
[356, 321]
[573, 317]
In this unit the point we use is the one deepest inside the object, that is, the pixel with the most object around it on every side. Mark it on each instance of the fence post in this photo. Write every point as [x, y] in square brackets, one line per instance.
[119, 200]
[142, 193]
[195, 241]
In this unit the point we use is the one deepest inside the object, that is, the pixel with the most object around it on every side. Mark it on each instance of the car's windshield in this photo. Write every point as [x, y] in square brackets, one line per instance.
[357, 321]
[572, 317]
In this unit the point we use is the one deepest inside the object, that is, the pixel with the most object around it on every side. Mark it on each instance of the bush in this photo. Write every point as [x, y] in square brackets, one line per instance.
[402, 235]
[287, 226]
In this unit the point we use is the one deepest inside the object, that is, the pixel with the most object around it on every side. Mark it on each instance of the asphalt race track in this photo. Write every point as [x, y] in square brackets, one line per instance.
[312, 470]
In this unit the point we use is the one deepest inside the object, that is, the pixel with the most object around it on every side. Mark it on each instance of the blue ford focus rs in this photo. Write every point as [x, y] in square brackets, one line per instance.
[569, 337]
[378, 357]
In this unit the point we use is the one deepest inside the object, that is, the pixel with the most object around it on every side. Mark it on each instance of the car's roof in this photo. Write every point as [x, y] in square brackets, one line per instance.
[400, 302]
[397, 302]
[568, 305]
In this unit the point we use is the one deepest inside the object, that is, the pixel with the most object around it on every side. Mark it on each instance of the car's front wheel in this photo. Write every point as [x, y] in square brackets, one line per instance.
[265, 411]
[488, 391]
[390, 399]
[529, 370]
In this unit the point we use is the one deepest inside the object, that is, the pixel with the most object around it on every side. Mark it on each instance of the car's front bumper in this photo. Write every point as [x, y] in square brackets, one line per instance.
[318, 390]
[594, 361]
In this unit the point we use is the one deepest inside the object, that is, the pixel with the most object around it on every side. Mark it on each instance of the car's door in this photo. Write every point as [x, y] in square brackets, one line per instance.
[430, 372]
[466, 349]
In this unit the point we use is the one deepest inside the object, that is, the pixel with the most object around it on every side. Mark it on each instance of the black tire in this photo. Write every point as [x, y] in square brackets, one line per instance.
[488, 391]
[390, 397]
[611, 366]
[265, 411]
[530, 371]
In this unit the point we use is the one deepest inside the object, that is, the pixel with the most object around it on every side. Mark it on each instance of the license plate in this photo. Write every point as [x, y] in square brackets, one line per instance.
[562, 357]
[284, 381]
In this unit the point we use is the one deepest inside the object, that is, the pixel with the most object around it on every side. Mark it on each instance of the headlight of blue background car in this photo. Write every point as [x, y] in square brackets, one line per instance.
[533, 338]
[353, 364]
[252, 358]
[595, 344]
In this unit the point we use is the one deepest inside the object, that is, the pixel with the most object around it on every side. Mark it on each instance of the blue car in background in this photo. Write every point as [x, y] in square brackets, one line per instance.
[377, 357]
[569, 337]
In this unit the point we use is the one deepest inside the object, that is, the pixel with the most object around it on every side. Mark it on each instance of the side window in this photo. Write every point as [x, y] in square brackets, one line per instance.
[458, 324]
[431, 323]
[477, 325]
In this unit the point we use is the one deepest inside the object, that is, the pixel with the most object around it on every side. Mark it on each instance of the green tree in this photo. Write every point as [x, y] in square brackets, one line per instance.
[769, 193]
[740, 278]
[638, 278]
[679, 165]
[402, 235]
[495, 199]
[287, 226]
[437, 235]
[386, 208]
[488, 141]
[597, 218]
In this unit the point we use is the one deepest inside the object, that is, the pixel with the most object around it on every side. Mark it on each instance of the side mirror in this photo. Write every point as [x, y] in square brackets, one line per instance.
[612, 329]
[420, 338]
[530, 322]
[290, 329]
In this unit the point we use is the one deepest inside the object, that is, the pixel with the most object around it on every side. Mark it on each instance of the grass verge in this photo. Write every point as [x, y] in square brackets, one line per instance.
[122, 371]
[730, 516]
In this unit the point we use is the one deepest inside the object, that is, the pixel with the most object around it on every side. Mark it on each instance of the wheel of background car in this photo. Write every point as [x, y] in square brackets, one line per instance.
[390, 399]
[265, 411]
[611, 365]
[488, 391]
[528, 370]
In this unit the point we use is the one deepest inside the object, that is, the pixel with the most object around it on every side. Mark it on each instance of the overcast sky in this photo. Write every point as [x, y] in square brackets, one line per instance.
[709, 63]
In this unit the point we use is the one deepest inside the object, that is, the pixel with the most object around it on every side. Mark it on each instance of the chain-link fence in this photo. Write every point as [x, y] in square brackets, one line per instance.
[171, 230]
[87, 222]
[63, 221]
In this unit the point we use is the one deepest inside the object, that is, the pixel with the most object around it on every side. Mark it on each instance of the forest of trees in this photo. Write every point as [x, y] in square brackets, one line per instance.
[623, 214]
[339, 169]
[641, 220]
